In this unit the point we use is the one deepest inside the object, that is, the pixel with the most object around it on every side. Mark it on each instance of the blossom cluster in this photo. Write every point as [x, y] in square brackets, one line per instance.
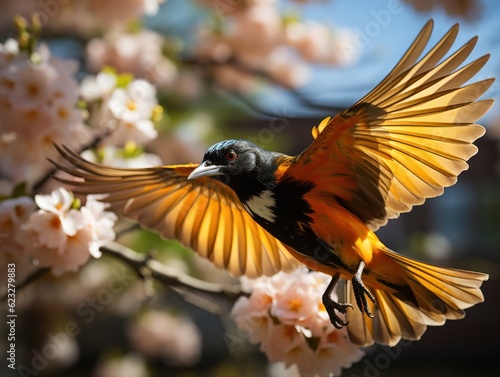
[41, 102]
[49, 232]
[139, 53]
[123, 105]
[83, 17]
[259, 37]
[38, 103]
[158, 334]
[285, 314]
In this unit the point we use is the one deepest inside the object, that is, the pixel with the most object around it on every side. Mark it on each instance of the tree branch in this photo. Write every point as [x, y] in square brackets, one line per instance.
[259, 73]
[146, 266]
[30, 279]
[97, 138]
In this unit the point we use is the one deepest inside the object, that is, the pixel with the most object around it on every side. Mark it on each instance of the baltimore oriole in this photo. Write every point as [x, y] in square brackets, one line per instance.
[257, 212]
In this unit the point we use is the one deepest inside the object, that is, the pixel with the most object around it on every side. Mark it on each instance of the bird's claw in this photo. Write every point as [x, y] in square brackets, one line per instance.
[361, 293]
[332, 308]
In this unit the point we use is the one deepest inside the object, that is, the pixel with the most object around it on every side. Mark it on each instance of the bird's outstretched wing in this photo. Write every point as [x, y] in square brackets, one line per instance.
[405, 140]
[202, 214]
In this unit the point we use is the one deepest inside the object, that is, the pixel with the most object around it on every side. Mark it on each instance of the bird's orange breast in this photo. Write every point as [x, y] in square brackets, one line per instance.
[350, 239]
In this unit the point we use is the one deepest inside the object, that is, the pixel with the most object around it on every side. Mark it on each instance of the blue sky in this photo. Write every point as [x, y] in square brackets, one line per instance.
[393, 36]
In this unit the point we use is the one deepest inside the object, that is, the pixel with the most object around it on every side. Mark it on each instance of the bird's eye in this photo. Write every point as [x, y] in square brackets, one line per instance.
[231, 155]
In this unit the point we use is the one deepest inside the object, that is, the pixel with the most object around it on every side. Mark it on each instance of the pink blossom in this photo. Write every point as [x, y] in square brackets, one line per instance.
[282, 339]
[73, 254]
[289, 71]
[13, 214]
[284, 313]
[295, 304]
[257, 323]
[49, 229]
[317, 43]
[233, 78]
[255, 32]
[84, 17]
[159, 334]
[118, 11]
[137, 53]
[38, 106]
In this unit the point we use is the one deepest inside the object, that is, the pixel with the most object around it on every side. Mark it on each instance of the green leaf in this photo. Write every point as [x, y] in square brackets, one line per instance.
[28, 34]
[109, 70]
[20, 190]
[123, 79]
[130, 150]
[76, 203]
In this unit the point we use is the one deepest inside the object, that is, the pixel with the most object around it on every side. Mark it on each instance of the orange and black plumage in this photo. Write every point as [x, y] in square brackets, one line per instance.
[257, 212]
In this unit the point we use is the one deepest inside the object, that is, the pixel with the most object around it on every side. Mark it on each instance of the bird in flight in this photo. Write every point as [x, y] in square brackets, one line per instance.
[256, 212]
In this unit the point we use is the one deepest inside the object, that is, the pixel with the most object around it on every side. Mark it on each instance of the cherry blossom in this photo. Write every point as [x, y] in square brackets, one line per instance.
[260, 38]
[284, 313]
[83, 17]
[99, 222]
[159, 334]
[38, 96]
[63, 238]
[14, 212]
[59, 203]
[137, 53]
[129, 110]
[93, 88]
[134, 103]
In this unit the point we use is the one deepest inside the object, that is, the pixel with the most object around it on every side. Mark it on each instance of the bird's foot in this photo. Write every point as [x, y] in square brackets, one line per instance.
[362, 293]
[333, 307]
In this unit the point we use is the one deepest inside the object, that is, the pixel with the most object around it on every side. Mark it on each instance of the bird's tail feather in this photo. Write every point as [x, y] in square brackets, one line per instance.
[428, 295]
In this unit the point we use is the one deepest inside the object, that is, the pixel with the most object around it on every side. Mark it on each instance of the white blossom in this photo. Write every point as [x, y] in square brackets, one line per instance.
[127, 111]
[93, 88]
[99, 222]
[59, 203]
[63, 238]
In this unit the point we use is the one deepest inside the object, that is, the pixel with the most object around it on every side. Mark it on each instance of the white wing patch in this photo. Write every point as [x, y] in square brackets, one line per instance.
[262, 205]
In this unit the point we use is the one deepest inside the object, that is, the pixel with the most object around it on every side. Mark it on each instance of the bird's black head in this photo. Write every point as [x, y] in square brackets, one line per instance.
[237, 162]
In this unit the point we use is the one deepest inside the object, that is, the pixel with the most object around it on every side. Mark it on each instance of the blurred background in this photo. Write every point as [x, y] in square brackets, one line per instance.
[266, 71]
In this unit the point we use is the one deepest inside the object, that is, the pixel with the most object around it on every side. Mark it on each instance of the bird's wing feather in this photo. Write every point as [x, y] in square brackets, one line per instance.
[202, 214]
[405, 140]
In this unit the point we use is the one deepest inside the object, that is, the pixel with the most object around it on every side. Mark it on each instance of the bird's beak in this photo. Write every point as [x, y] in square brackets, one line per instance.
[205, 170]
